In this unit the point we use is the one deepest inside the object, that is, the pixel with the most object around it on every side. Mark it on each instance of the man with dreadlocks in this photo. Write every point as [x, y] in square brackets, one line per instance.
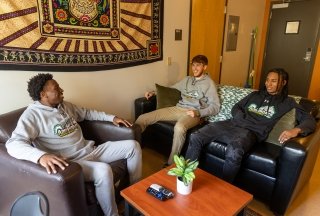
[47, 133]
[253, 118]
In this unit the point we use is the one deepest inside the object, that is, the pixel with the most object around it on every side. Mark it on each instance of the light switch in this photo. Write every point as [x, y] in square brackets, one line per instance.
[178, 34]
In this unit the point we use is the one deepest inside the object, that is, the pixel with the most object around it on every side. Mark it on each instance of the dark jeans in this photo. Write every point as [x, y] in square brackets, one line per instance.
[239, 141]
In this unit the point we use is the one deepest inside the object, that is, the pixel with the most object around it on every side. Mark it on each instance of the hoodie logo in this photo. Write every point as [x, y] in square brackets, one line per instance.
[191, 94]
[266, 111]
[66, 127]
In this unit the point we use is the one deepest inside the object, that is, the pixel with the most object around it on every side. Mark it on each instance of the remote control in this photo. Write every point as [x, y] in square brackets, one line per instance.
[157, 194]
[166, 192]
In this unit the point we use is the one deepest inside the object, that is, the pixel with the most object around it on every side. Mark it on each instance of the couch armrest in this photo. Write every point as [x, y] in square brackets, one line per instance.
[102, 131]
[142, 105]
[64, 190]
[296, 163]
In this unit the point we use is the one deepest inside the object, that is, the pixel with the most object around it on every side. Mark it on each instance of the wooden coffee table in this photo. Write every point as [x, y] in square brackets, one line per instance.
[210, 196]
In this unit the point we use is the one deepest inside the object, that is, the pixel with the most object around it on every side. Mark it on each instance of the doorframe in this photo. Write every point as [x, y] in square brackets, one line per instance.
[223, 38]
[263, 44]
[189, 36]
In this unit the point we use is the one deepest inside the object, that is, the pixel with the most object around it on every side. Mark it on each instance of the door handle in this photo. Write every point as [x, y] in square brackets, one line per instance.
[307, 58]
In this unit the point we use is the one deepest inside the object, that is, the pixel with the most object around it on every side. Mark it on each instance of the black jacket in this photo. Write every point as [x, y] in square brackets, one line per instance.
[260, 111]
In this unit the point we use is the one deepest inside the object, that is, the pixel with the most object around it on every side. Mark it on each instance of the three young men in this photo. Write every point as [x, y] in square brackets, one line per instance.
[37, 137]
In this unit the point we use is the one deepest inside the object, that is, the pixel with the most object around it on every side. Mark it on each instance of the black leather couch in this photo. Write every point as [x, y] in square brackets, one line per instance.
[67, 192]
[273, 174]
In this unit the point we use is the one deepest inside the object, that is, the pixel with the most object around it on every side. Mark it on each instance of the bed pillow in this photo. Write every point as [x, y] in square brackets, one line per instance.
[167, 97]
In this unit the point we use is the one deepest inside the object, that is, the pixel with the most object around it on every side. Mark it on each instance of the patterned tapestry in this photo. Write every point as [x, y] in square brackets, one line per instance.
[79, 35]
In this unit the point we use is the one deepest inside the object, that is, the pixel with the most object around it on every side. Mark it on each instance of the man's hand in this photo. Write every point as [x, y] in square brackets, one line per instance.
[49, 161]
[193, 113]
[149, 94]
[117, 121]
[288, 134]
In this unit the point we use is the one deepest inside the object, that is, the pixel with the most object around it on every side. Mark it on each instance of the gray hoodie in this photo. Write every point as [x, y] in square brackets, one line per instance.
[198, 94]
[42, 129]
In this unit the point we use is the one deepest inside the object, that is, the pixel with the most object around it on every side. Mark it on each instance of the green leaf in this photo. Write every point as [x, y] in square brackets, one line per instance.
[175, 172]
[190, 175]
[186, 180]
[189, 169]
[183, 161]
[184, 169]
[193, 165]
[178, 161]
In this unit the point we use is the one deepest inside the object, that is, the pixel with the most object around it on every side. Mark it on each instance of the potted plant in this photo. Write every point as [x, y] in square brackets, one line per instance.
[184, 171]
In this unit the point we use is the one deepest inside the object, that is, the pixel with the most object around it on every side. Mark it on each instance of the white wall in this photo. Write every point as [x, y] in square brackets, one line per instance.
[112, 91]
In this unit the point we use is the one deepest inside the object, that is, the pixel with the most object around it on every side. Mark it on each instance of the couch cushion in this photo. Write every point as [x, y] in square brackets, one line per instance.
[287, 122]
[217, 149]
[262, 161]
[167, 97]
[9, 123]
[262, 158]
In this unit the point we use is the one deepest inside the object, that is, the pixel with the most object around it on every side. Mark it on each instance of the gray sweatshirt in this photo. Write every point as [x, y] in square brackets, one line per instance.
[42, 129]
[198, 94]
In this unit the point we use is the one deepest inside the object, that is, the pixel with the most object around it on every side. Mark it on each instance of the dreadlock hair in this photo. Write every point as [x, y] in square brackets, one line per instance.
[282, 76]
[200, 59]
[36, 84]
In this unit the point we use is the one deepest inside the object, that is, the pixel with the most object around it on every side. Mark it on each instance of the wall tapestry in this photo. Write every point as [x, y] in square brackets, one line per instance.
[79, 35]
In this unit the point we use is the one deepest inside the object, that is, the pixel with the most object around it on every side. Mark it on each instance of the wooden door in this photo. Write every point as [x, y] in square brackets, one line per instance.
[206, 33]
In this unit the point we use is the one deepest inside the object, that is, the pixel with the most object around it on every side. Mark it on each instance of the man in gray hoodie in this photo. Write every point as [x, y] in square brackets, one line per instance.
[48, 133]
[199, 98]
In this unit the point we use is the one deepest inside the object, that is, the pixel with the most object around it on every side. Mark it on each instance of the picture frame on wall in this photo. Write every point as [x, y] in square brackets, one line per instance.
[292, 27]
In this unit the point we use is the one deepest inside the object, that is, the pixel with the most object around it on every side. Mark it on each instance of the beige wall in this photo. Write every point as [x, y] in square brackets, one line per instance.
[112, 91]
[235, 63]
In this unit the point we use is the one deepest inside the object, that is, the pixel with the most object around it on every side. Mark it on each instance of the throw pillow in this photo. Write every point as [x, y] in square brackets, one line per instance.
[286, 122]
[167, 97]
[229, 96]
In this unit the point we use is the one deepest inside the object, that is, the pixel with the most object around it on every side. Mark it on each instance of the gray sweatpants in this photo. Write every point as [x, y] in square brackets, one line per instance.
[96, 169]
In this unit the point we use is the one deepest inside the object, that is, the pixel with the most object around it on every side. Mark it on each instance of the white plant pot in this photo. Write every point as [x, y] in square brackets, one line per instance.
[182, 188]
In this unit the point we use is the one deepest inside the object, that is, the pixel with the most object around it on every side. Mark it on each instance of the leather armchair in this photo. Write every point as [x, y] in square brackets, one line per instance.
[67, 192]
[273, 174]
